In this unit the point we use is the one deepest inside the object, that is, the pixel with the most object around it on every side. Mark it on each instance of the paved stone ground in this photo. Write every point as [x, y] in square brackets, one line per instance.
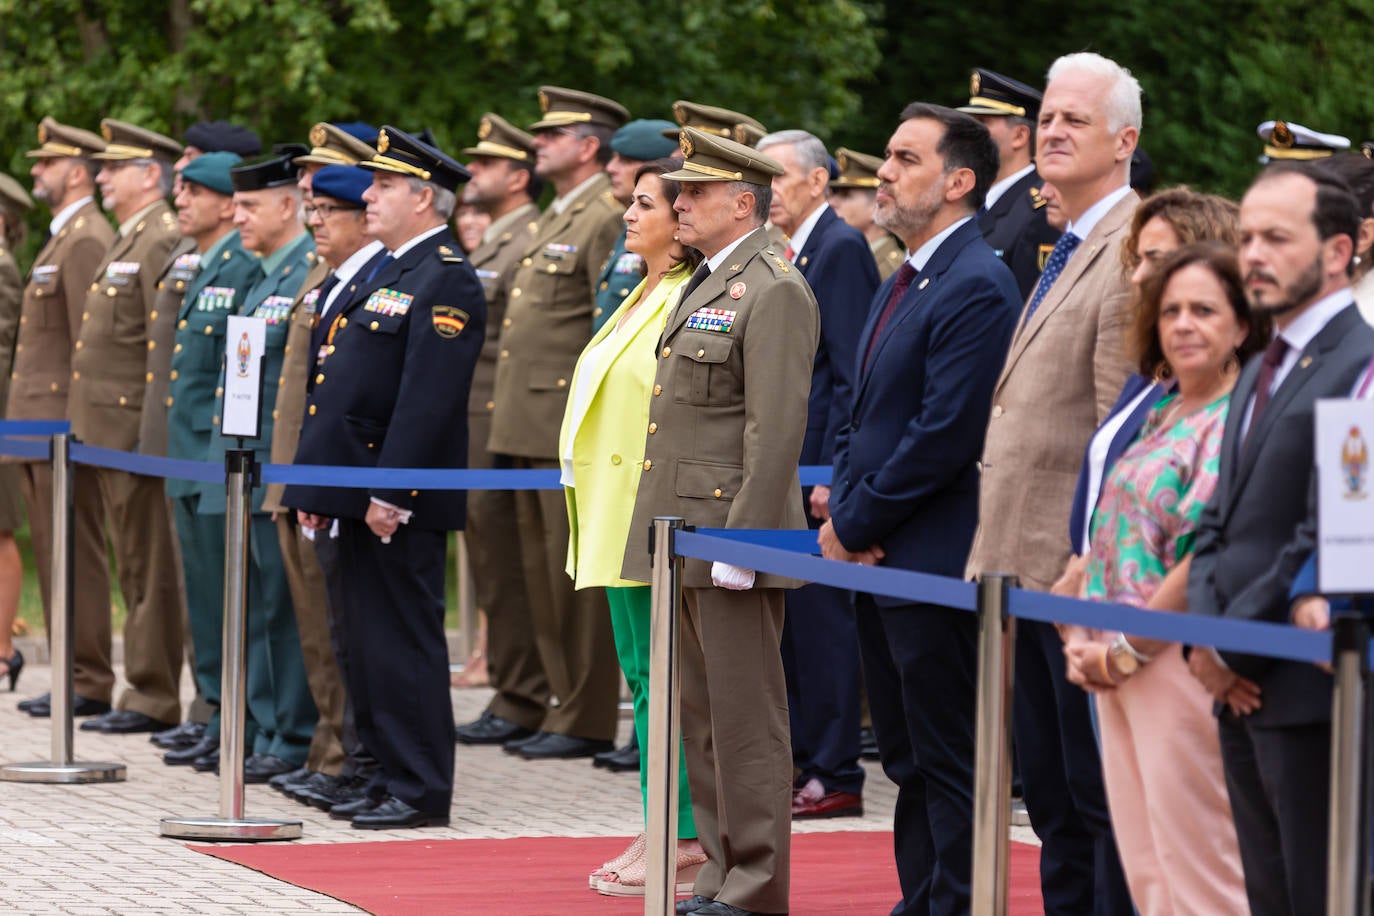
[96, 848]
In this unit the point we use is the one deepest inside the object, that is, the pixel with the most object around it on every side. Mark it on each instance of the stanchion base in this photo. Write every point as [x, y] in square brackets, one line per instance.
[77, 771]
[228, 829]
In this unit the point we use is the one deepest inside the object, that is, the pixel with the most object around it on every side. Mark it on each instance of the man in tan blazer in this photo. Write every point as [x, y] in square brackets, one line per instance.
[1063, 373]
[726, 423]
[64, 179]
[505, 187]
[109, 377]
[548, 321]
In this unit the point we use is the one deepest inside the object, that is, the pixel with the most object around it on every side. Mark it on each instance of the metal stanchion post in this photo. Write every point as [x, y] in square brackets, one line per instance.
[62, 769]
[660, 889]
[992, 760]
[1347, 887]
[240, 469]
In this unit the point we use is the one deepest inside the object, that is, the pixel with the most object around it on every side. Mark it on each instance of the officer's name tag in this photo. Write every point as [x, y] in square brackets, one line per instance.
[627, 263]
[556, 251]
[274, 309]
[215, 298]
[121, 273]
[44, 273]
[707, 319]
[244, 349]
[311, 301]
[388, 302]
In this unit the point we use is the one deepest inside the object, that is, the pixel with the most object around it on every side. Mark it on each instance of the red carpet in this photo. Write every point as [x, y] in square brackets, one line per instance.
[849, 872]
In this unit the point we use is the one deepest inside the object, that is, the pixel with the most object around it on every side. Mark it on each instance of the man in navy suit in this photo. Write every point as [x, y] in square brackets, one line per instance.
[392, 391]
[820, 649]
[1298, 227]
[905, 487]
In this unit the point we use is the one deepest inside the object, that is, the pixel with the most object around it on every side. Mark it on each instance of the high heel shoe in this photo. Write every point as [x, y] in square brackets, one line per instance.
[14, 664]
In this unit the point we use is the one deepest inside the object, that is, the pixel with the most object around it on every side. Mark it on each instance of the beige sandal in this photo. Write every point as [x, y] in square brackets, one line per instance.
[634, 851]
[630, 879]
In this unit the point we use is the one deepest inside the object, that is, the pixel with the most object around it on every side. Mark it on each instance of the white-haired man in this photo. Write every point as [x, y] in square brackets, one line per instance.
[1062, 375]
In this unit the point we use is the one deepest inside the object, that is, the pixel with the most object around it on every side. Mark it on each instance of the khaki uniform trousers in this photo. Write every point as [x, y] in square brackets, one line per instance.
[571, 628]
[139, 519]
[92, 674]
[737, 745]
[306, 581]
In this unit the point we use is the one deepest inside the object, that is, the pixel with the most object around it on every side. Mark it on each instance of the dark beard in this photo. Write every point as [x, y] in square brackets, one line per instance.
[1296, 295]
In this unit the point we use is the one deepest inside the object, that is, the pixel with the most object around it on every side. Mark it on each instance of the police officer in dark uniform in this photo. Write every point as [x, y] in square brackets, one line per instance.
[392, 391]
[1013, 216]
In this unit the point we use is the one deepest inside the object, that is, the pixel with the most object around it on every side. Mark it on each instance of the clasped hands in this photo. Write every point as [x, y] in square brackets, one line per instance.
[832, 549]
[381, 520]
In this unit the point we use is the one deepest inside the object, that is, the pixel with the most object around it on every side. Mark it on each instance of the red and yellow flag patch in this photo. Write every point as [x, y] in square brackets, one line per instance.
[448, 321]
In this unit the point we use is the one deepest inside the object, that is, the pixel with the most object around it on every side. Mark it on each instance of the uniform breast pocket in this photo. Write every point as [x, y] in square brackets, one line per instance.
[378, 323]
[565, 270]
[705, 480]
[708, 378]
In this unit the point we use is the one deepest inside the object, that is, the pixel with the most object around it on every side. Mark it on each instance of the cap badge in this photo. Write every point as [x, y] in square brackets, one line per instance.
[737, 290]
[106, 132]
[975, 83]
[543, 101]
[484, 129]
[42, 133]
[679, 113]
[383, 142]
[318, 135]
[842, 160]
[1282, 135]
[685, 143]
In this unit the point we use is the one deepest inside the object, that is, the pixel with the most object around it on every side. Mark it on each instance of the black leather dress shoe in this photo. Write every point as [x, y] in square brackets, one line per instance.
[394, 814]
[285, 782]
[207, 763]
[261, 767]
[346, 811]
[26, 705]
[868, 745]
[716, 908]
[187, 756]
[514, 745]
[562, 747]
[490, 729]
[691, 904]
[325, 797]
[41, 708]
[620, 760]
[124, 722]
[184, 735]
[321, 783]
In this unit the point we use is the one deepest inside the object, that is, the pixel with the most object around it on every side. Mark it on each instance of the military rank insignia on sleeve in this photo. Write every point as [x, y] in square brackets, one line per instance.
[448, 321]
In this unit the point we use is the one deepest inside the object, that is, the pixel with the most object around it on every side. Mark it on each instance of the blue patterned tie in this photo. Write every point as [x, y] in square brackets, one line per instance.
[1053, 267]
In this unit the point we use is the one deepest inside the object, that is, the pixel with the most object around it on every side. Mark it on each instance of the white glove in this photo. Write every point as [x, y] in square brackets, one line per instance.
[723, 575]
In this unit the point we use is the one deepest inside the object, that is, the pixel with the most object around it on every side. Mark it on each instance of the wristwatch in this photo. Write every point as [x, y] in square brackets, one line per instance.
[1124, 655]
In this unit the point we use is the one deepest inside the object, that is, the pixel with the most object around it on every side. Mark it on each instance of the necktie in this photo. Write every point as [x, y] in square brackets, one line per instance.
[789, 254]
[1273, 357]
[1368, 384]
[702, 272]
[1053, 267]
[322, 301]
[905, 276]
[385, 260]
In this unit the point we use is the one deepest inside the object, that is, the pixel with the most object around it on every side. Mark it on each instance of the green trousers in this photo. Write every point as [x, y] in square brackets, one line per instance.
[630, 612]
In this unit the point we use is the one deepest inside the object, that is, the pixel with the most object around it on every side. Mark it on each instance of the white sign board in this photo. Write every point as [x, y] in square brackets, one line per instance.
[1345, 497]
[245, 344]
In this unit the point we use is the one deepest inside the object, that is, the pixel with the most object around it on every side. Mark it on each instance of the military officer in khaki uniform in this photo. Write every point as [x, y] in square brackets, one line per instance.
[852, 196]
[109, 376]
[64, 179]
[719, 122]
[548, 321]
[505, 187]
[726, 422]
[334, 144]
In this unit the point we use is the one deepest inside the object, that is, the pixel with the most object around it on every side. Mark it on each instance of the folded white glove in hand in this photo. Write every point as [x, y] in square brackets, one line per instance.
[723, 575]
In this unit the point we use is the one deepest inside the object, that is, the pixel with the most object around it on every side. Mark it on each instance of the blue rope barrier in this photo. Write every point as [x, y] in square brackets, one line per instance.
[25, 448]
[147, 465]
[34, 427]
[759, 550]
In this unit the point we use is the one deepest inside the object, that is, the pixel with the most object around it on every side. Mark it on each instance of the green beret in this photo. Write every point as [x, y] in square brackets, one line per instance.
[212, 171]
[645, 140]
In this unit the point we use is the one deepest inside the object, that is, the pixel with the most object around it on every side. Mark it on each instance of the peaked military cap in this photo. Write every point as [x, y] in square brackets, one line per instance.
[213, 170]
[711, 158]
[645, 140]
[57, 141]
[12, 193]
[342, 182]
[719, 121]
[991, 93]
[857, 170]
[499, 138]
[566, 107]
[403, 154]
[125, 141]
[273, 172]
[222, 136]
[339, 144]
[1286, 140]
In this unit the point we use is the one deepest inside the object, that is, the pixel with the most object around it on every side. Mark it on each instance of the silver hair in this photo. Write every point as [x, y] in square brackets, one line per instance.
[1122, 100]
[166, 175]
[444, 199]
[811, 152]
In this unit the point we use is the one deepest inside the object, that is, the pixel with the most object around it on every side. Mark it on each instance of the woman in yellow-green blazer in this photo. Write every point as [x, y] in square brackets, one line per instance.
[601, 451]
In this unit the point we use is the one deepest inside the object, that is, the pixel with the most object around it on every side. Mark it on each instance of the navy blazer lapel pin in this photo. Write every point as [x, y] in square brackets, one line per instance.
[924, 283]
[1304, 362]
